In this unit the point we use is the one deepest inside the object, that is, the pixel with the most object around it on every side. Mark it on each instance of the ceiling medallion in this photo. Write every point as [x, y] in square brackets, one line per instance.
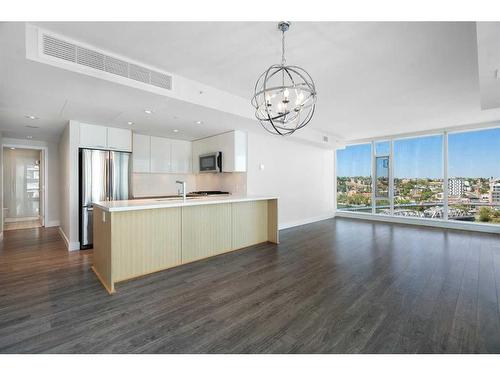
[285, 95]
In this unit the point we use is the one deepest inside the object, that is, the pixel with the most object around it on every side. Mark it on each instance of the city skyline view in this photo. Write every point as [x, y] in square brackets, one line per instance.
[473, 182]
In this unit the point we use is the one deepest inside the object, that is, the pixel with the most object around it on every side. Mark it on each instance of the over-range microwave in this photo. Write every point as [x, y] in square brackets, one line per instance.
[211, 163]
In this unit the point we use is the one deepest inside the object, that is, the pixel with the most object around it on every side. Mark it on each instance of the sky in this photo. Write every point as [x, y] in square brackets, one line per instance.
[470, 154]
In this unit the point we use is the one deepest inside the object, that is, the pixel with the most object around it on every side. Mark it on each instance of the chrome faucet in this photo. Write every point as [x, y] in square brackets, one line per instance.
[183, 183]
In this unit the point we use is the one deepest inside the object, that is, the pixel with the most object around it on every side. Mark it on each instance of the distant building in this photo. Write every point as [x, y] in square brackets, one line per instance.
[456, 186]
[495, 193]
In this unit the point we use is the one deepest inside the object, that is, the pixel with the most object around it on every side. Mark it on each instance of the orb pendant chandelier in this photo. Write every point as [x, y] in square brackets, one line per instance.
[285, 95]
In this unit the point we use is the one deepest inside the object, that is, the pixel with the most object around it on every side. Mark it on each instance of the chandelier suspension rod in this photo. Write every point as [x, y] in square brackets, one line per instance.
[283, 60]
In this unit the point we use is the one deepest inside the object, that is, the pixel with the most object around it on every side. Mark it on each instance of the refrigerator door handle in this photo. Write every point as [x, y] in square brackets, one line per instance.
[108, 177]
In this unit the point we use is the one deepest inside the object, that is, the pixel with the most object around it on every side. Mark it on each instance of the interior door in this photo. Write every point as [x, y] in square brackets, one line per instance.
[119, 175]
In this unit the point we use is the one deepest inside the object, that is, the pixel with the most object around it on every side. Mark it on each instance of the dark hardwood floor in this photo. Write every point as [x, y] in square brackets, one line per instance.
[336, 286]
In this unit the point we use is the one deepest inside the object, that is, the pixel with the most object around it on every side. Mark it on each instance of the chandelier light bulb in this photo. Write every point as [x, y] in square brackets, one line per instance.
[268, 100]
[300, 99]
[286, 94]
[280, 107]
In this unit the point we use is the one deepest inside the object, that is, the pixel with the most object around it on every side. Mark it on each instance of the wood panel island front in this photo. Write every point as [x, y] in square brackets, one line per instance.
[137, 237]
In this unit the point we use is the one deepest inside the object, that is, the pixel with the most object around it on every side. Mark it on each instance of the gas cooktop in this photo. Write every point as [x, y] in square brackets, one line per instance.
[208, 192]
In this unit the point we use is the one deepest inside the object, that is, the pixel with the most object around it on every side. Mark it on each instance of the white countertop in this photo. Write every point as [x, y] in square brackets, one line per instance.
[146, 204]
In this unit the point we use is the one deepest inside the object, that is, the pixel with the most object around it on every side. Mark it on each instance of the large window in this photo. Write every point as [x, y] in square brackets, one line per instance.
[418, 177]
[474, 176]
[354, 180]
[450, 175]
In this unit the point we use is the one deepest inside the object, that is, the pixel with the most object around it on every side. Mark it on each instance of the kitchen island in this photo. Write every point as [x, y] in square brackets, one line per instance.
[133, 238]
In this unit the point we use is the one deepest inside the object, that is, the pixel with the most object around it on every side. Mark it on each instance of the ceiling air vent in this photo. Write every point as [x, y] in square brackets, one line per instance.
[89, 58]
[116, 66]
[161, 80]
[59, 48]
[139, 73]
[74, 53]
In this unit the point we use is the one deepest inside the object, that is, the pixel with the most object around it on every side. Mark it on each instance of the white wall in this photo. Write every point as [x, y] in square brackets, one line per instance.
[300, 174]
[68, 165]
[52, 184]
[64, 182]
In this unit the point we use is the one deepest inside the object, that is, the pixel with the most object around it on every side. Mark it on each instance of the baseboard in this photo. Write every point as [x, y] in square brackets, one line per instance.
[71, 246]
[310, 220]
[52, 223]
[19, 219]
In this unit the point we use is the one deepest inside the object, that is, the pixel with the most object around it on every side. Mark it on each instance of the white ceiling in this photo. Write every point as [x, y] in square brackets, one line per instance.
[373, 79]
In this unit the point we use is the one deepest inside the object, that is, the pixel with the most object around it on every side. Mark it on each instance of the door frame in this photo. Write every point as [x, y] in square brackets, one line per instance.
[43, 154]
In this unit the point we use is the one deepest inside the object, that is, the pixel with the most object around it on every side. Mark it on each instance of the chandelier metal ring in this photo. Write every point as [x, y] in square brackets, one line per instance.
[284, 95]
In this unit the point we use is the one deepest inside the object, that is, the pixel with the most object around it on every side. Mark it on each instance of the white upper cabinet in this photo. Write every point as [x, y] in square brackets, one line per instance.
[96, 136]
[141, 154]
[181, 153]
[160, 155]
[233, 146]
[93, 136]
[119, 139]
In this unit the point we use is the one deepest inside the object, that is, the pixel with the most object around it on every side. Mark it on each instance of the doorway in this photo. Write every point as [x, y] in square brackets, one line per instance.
[23, 182]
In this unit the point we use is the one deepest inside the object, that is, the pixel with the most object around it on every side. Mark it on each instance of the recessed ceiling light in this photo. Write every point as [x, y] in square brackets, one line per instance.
[32, 126]
[31, 117]
[29, 136]
[199, 122]
[148, 111]
[176, 130]
[130, 123]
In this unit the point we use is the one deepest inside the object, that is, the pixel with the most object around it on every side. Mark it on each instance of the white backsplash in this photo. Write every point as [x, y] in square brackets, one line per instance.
[234, 183]
[159, 184]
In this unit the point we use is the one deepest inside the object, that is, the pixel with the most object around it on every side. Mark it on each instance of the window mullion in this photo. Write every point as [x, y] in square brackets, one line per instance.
[445, 175]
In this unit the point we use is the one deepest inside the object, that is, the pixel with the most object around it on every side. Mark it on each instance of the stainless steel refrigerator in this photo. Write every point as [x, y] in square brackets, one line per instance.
[104, 176]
